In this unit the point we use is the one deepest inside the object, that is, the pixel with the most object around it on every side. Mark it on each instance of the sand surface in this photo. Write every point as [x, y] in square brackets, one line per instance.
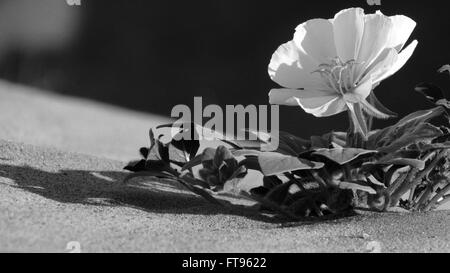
[72, 124]
[60, 180]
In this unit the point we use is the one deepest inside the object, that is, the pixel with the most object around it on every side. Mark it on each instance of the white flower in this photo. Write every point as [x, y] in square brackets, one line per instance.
[333, 65]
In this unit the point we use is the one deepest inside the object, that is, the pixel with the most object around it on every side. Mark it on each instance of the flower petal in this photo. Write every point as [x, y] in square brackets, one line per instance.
[377, 104]
[285, 96]
[316, 38]
[371, 110]
[362, 91]
[402, 28]
[377, 29]
[380, 68]
[403, 57]
[348, 26]
[392, 63]
[290, 67]
[317, 103]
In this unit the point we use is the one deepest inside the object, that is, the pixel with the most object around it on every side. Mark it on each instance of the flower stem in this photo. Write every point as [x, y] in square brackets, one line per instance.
[369, 117]
[413, 180]
[437, 197]
[357, 131]
[444, 200]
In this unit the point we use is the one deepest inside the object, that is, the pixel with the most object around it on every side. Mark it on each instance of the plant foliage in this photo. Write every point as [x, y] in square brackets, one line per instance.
[404, 165]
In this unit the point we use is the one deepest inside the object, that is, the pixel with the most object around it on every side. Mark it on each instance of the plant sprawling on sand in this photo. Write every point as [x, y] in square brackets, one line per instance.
[319, 176]
[404, 165]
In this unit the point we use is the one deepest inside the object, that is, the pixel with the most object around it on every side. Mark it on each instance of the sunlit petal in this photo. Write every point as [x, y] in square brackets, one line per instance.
[377, 29]
[402, 59]
[371, 110]
[334, 65]
[362, 91]
[392, 63]
[285, 96]
[401, 31]
[319, 104]
[292, 68]
[380, 68]
[348, 26]
[316, 38]
[332, 107]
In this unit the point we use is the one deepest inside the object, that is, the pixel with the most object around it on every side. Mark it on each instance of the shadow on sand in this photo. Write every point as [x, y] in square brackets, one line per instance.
[106, 189]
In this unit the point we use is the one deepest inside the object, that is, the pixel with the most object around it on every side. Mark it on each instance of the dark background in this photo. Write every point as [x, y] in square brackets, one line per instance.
[152, 55]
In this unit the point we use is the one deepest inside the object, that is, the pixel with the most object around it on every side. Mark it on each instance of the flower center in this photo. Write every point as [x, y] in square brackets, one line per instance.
[338, 75]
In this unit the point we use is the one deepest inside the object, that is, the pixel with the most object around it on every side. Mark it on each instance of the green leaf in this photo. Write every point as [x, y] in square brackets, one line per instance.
[157, 151]
[246, 153]
[222, 154]
[431, 91]
[444, 102]
[419, 117]
[187, 148]
[279, 193]
[319, 142]
[412, 135]
[415, 163]
[343, 156]
[375, 181]
[244, 144]
[239, 172]
[405, 126]
[379, 202]
[193, 163]
[231, 187]
[148, 174]
[394, 173]
[337, 138]
[425, 147]
[207, 155]
[176, 149]
[275, 163]
[330, 139]
[287, 143]
[357, 185]
[259, 191]
[156, 166]
[136, 166]
[444, 68]
[144, 151]
[271, 182]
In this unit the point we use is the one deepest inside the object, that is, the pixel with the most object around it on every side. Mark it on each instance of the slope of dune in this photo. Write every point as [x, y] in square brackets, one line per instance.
[61, 166]
[47, 119]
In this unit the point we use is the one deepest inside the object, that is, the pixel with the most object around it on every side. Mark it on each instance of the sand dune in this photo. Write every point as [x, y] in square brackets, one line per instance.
[47, 119]
[60, 181]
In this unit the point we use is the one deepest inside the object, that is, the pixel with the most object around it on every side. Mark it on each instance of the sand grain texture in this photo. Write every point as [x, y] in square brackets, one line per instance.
[47, 119]
[50, 196]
